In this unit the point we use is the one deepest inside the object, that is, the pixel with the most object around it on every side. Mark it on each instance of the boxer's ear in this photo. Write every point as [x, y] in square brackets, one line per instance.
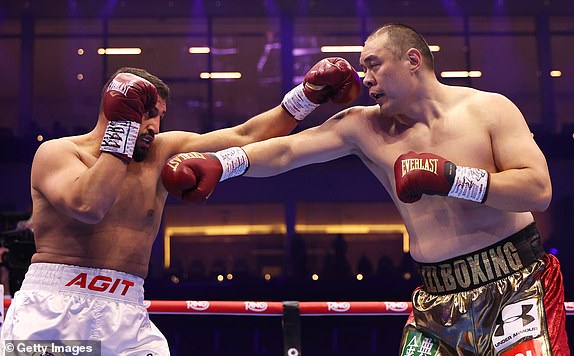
[415, 58]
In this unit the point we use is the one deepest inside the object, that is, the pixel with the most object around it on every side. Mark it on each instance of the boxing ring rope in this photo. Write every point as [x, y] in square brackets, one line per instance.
[320, 308]
[290, 311]
[277, 308]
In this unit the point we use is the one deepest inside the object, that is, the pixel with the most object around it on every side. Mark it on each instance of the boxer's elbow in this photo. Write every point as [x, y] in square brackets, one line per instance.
[543, 198]
[541, 193]
[88, 212]
[92, 218]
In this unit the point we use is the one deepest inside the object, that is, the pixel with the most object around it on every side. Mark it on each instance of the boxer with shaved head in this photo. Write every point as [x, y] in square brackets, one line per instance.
[465, 173]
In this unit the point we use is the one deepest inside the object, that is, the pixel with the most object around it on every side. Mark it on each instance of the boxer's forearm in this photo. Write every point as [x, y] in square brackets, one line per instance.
[525, 189]
[269, 158]
[80, 191]
[272, 123]
[92, 193]
[282, 154]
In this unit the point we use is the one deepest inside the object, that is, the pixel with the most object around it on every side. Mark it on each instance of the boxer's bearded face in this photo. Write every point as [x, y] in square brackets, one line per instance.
[149, 128]
[143, 143]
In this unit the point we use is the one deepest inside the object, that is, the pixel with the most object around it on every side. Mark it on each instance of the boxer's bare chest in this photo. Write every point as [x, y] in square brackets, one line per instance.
[456, 136]
[138, 204]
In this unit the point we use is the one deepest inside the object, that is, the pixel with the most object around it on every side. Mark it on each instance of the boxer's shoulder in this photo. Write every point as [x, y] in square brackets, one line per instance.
[55, 146]
[63, 148]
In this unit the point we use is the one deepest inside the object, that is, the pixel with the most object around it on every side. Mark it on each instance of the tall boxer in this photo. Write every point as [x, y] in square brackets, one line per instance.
[464, 172]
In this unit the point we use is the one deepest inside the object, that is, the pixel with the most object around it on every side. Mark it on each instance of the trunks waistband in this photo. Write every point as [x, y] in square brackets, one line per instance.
[96, 282]
[484, 266]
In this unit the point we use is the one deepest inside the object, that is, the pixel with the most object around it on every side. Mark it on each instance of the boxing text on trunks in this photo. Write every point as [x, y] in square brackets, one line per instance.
[101, 283]
[473, 270]
[94, 282]
[484, 266]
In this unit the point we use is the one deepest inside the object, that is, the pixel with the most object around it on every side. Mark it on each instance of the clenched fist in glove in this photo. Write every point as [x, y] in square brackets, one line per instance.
[193, 176]
[332, 79]
[426, 173]
[126, 99]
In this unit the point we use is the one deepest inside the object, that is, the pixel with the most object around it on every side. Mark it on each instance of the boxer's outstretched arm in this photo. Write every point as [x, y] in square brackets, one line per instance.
[522, 181]
[192, 176]
[271, 123]
[281, 154]
[331, 79]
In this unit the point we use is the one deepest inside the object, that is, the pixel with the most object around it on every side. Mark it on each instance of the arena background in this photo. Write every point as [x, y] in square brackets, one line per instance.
[305, 235]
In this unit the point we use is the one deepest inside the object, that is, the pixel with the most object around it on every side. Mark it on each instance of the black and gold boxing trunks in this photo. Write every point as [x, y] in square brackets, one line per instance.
[505, 300]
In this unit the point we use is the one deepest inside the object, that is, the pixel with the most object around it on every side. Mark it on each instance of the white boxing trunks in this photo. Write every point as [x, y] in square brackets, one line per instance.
[63, 302]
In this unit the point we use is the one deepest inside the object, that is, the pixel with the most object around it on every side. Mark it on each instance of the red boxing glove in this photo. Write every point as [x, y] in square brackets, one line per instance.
[426, 173]
[193, 176]
[126, 99]
[332, 79]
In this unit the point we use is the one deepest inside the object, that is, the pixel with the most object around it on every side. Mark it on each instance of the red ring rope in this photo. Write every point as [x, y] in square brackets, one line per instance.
[276, 308]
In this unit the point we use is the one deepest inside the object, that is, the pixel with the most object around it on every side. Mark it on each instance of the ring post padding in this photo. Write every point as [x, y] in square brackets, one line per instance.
[291, 329]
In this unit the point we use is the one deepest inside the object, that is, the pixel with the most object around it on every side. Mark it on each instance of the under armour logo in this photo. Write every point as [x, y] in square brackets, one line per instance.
[526, 319]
